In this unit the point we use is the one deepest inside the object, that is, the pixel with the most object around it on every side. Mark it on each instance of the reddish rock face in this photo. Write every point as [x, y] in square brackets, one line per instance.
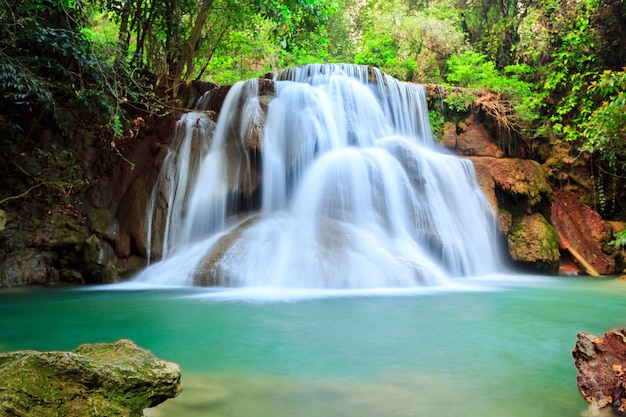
[582, 228]
[601, 364]
[522, 179]
[474, 140]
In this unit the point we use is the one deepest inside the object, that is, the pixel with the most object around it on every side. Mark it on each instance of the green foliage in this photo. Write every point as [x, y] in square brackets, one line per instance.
[619, 240]
[605, 128]
[24, 89]
[49, 60]
[460, 101]
[297, 22]
[474, 70]
[380, 51]
[436, 122]
[471, 70]
[493, 27]
[408, 39]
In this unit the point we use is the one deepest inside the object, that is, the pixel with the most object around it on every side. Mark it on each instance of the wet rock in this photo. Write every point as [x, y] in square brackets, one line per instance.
[533, 240]
[27, 267]
[128, 266]
[521, 182]
[99, 260]
[601, 365]
[517, 189]
[582, 229]
[568, 268]
[210, 271]
[485, 180]
[106, 379]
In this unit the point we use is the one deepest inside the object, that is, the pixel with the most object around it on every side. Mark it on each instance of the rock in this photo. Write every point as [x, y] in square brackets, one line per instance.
[3, 219]
[568, 268]
[582, 229]
[209, 272]
[517, 189]
[476, 141]
[99, 260]
[105, 379]
[128, 266]
[449, 135]
[518, 181]
[601, 365]
[26, 267]
[470, 138]
[532, 240]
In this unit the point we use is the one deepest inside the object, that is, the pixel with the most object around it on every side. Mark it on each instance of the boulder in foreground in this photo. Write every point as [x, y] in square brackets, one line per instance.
[106, 379]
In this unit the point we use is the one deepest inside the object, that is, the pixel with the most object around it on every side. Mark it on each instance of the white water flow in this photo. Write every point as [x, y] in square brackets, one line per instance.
[354, 191]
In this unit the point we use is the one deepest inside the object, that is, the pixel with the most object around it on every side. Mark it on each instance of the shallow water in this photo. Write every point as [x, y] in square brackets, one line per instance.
[503, 350]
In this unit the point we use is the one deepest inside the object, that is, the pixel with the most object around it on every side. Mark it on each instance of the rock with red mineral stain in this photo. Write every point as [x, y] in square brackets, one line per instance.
[601, 378]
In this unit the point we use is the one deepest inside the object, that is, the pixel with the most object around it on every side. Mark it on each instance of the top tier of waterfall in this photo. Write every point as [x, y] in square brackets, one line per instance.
[403, 105]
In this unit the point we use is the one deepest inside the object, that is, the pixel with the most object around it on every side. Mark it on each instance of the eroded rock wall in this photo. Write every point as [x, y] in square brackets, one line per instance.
[543, 225]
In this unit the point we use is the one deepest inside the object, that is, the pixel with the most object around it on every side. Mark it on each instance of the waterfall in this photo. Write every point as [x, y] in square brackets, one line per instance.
[330, 178]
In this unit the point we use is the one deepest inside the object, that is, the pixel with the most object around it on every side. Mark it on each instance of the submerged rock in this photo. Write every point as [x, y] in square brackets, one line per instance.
[105, 379]
[601, 378]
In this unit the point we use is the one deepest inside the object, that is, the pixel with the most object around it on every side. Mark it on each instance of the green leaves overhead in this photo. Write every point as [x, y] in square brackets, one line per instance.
[110, 56]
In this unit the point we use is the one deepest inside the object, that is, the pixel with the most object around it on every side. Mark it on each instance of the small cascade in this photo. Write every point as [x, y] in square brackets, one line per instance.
[346, 189]
[173, 186]
[199, 170]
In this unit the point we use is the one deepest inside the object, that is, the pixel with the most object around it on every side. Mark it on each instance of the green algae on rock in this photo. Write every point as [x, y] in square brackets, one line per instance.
[532, 239]
[116, 379]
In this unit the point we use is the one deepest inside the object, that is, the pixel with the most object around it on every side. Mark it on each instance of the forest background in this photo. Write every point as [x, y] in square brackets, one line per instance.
[560, 64]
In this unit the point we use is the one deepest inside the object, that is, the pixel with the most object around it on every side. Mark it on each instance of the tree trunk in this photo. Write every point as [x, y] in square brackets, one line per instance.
[124, 35]
[186, 57]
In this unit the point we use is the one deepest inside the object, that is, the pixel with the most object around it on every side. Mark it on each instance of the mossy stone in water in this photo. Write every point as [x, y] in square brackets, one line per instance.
[108, 379]
[532, 239]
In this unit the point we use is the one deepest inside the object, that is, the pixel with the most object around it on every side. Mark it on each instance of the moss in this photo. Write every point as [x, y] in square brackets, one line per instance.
[533, 240]
[117, 380]
[551, 241]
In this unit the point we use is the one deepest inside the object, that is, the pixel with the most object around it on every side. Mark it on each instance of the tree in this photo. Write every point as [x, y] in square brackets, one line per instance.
[45, 59]
[170, 38]
[408, 39]
[493, 27]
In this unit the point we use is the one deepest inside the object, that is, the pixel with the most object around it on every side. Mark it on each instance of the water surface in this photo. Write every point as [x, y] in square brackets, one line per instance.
[503, 352]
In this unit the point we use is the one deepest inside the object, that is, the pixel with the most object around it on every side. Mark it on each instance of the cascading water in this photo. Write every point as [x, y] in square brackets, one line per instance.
[352, 191]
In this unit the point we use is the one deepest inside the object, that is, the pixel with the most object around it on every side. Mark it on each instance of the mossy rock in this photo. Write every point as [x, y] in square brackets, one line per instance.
[107, 379]
[532, 240]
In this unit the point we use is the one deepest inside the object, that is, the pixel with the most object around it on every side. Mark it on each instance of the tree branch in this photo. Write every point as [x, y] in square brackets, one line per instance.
[25, 193]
